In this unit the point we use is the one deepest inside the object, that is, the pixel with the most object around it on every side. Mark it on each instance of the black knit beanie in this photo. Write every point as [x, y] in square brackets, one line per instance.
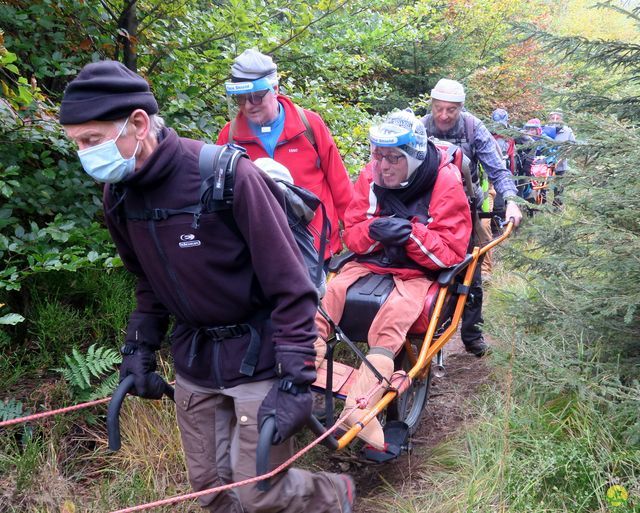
[105, 91]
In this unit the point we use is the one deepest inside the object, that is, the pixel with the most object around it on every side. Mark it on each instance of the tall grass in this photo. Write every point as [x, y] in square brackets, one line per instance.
[63, 310]
[63, 463]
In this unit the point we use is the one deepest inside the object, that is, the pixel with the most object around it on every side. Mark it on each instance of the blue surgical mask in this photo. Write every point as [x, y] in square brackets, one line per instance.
[104, 162]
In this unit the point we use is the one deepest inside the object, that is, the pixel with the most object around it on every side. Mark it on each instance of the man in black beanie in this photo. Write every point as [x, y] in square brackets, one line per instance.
[260, 303]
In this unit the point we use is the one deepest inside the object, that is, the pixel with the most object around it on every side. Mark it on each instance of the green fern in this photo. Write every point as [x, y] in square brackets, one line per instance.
[10, 409]
[92, 375]
[105, 388]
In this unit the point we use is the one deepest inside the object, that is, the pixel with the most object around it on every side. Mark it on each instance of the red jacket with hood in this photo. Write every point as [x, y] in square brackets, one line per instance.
[321, 172]
[439, 238]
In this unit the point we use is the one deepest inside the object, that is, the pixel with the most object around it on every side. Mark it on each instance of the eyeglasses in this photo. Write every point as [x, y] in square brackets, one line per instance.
[253, 98]
[391, 158]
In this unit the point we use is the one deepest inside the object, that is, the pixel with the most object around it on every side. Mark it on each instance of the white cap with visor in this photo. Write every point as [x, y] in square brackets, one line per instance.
[252, 73]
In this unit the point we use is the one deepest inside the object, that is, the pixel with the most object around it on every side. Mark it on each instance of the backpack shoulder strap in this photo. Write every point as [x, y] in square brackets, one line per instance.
[208, 159]
[470, 132]
[308, 132]
[232, 130]
[217, 165]
[455, 156]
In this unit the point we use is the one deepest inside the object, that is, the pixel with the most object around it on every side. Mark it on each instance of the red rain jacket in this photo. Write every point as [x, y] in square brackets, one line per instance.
[321, 172]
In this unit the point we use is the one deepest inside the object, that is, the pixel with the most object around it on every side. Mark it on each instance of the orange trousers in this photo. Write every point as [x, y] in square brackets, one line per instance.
[395, 317]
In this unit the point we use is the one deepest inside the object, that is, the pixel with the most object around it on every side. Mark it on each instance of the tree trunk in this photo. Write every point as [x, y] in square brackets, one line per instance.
[128, 35]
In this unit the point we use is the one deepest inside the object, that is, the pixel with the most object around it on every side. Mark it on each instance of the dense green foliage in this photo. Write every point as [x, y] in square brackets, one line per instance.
[574, 429]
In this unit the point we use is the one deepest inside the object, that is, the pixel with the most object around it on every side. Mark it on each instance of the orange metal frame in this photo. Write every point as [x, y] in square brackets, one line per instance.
[429, 346]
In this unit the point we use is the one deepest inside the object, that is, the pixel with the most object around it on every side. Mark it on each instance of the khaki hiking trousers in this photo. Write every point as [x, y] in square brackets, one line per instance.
[219, 437]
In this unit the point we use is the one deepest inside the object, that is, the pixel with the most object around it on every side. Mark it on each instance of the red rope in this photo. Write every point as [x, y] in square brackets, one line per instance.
[268, 475]
[361, 402]
[50, 413]
[399, 382]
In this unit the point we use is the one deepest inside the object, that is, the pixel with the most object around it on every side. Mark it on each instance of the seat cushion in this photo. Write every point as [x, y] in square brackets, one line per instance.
[420, 326]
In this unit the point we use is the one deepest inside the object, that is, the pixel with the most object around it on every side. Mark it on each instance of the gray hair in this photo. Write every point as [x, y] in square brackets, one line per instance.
[156, 124]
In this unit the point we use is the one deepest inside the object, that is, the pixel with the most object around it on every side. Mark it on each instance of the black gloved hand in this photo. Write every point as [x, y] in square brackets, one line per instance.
[291, 406]
[391, 231]
[290, 400]
[140, 361]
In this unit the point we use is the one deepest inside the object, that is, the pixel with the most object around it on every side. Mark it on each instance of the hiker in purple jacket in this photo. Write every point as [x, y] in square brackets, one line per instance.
[233, 280]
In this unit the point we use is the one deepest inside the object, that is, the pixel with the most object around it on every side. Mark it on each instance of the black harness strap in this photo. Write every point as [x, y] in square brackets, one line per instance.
[250, 360]
[218, 334]
[159, 214]
[325, 233]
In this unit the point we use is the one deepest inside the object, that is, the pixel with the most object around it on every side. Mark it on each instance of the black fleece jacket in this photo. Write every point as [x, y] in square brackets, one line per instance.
[244, 268]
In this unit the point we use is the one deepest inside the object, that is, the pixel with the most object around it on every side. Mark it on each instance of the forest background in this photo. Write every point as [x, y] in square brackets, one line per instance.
[564, 301]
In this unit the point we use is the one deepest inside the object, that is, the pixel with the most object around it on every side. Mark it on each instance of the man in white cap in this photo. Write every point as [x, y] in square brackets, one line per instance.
[449, 122]
[268, 124]
[564, 134]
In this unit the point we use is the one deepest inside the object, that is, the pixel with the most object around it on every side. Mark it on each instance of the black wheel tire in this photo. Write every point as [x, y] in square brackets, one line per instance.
[409, 406]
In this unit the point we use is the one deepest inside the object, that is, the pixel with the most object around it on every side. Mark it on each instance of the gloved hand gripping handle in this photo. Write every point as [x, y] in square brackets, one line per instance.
[113, 411]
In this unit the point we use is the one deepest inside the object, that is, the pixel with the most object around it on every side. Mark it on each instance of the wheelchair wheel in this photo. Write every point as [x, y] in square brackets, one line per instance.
[409, 406]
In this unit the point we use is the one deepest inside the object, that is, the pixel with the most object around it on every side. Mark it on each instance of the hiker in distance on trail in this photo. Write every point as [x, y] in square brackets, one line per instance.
[562, 133]
[244, 321]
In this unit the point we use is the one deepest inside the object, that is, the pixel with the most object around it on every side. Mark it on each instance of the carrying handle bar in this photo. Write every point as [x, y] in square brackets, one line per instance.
[267, 430]
[113, 411]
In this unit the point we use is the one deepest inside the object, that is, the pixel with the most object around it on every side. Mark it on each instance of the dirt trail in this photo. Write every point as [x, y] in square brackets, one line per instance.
[445, 414]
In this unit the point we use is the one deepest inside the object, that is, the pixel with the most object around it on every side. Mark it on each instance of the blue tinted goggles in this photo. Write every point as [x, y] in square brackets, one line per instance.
[261, 84]
[387, 139]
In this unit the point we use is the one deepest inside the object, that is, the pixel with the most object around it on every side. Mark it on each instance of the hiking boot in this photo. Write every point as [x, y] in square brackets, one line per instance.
[346, 504]
[478, 348]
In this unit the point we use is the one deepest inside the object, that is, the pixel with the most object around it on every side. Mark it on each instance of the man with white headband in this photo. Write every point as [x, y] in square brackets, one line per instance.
[410, 218]
[268, 124]
[448, 121]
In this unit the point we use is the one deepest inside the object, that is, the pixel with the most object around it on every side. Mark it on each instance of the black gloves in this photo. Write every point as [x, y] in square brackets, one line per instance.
[390, 231]
[290, 401]
[140, 361]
